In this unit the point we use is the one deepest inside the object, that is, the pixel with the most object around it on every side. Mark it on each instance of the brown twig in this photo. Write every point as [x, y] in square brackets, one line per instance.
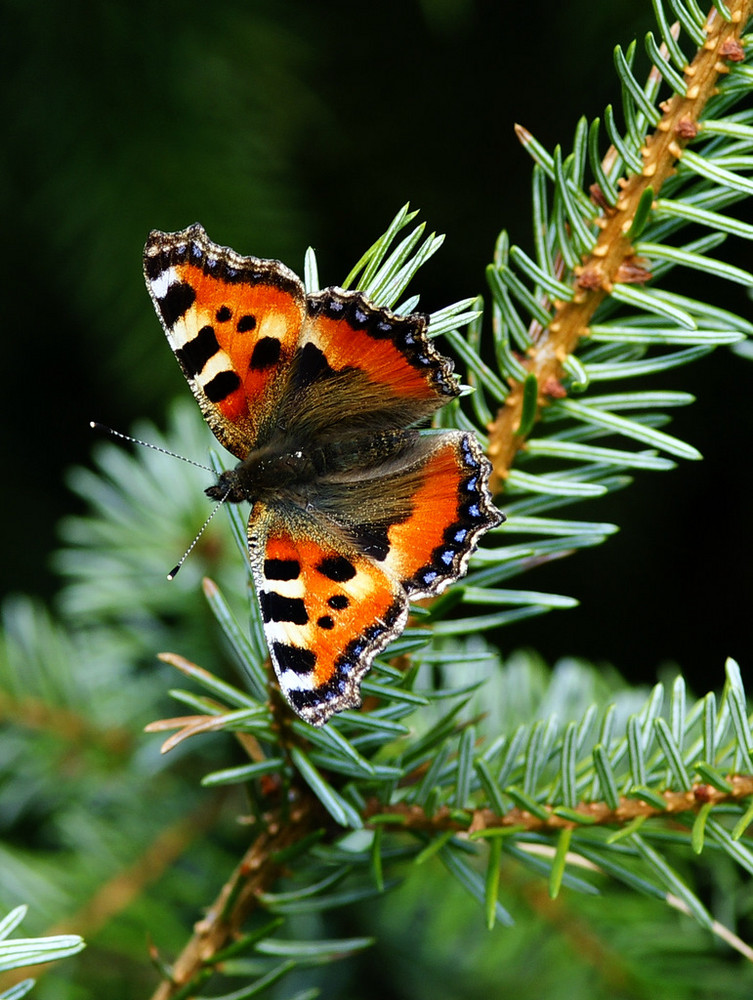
[260, 867]
[410, 817]
[611, 260]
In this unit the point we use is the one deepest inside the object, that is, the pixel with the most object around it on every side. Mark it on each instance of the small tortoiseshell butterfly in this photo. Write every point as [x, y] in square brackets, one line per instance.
[353, 511]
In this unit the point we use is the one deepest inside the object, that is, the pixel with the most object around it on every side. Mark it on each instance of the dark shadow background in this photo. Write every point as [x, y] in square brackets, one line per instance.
[283, 124]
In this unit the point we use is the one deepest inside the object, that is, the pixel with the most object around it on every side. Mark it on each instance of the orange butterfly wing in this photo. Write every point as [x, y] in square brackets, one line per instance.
[233, 322]
[334, 583]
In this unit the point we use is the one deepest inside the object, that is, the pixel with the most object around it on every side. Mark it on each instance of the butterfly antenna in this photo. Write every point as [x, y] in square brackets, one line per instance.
[155, 447]
[174, 571]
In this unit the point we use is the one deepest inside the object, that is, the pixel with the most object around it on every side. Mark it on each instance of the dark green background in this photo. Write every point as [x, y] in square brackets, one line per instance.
[283, 124]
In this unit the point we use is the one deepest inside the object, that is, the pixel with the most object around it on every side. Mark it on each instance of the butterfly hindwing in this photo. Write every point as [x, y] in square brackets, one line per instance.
[334, 582]
[450, 508]
[327, 609]
[420, 512]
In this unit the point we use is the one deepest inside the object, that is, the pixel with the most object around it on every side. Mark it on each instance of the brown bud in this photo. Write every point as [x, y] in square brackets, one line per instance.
[732, 50]
[589, 279]
[553, 388]
[686, 128]
[632, 272]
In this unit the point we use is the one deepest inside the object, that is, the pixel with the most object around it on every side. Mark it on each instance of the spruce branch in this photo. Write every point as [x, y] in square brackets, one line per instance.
[594, 790]
[483, 823]
[219, 930]
[611, 265]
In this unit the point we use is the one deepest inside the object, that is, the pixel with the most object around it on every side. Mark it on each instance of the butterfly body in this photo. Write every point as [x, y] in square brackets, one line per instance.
[302, 470]
[353, 510]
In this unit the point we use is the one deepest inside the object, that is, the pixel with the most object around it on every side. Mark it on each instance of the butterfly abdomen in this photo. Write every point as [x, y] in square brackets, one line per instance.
[280, 467]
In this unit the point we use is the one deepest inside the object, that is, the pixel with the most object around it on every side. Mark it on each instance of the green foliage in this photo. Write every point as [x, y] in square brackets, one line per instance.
[559, 796]
[21, 952]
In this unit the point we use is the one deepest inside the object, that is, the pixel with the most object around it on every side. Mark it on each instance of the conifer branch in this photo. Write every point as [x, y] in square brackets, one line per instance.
[550, 819]
[220, 927]
[612, 260]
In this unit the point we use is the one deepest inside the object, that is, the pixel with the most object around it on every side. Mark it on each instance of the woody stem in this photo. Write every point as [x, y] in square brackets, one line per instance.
[609, 261]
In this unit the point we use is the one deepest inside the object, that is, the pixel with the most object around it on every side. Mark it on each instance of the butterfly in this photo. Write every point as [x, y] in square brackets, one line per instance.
[354, 511]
